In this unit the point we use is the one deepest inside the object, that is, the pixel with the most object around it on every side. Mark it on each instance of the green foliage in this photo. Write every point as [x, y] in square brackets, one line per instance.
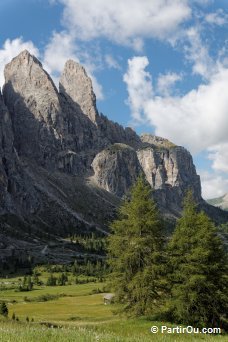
[95, 268]
[51, 281]
[26, 285]
[197, 266]
[135, 252]
[89, 243]
[223, 228]
[62, 279]
[3, 309]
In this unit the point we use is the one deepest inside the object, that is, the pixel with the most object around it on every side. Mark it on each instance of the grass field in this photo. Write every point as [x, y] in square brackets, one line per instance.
[74, 313]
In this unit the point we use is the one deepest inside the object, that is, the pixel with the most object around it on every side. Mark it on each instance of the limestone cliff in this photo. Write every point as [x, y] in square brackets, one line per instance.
[116, 168]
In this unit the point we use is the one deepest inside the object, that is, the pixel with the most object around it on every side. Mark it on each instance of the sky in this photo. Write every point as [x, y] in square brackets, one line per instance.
[158, 66]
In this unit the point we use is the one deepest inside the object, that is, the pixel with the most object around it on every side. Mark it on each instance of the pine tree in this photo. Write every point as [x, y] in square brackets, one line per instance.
[197, 262]
[135, 252]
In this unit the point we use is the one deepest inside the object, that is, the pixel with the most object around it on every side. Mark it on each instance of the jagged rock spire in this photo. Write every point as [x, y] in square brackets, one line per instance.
[76, 84]
[32, 99]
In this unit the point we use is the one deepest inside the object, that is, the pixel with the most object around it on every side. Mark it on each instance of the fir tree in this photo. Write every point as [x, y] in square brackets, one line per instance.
[198, 291]
[135, 252]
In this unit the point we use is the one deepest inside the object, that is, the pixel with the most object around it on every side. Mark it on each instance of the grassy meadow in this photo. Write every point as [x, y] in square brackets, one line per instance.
[74, 312]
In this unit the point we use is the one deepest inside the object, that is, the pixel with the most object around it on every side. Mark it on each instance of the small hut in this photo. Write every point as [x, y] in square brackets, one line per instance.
[108, 298]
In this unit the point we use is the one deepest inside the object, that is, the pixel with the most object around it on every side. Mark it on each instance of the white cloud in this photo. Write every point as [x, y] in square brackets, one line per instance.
[213, 185]
[217, 18]
[126, 22]
[219, 156]
[139, 83]
[166, 82]
[111, 62]
[196, 51]
[12, 48]
[197, 120]
[60, 48]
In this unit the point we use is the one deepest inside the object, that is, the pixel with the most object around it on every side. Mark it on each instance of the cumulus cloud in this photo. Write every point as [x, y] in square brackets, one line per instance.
[217, 18]
[139, 85]
[60, 48]
[166, 82]
[126, 22]
[197, 120]
[12, 48]
[196, 51]
[219, 156]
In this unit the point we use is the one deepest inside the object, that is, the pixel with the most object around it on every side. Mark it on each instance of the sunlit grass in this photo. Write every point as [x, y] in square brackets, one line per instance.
[77, 315]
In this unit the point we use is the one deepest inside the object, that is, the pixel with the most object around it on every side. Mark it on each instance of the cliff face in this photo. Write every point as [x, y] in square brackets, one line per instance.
[64, 166]
[116, 168]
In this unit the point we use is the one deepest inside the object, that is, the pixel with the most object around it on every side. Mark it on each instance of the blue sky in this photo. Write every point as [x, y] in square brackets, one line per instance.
[159, 66]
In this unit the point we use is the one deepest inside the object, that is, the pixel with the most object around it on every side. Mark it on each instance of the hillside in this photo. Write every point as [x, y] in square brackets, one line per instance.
[221, 202]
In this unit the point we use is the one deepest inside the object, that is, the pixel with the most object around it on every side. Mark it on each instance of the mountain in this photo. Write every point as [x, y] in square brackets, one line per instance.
[64, 167]
[221, 202]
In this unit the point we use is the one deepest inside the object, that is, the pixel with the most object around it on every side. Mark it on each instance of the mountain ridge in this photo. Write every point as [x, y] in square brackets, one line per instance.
[64, 167]
[221, 202]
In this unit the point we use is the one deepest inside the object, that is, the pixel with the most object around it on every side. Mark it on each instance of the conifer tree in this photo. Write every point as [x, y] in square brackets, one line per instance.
[198, 282]
[135, 252]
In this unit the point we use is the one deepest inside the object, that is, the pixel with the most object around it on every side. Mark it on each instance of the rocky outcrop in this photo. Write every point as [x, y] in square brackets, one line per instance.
[76, 84]
[169, 170]
[116, 168]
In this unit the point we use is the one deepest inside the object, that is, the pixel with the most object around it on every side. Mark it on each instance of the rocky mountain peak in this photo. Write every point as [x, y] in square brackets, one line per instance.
[33, 102]
[76, 84]
[25, 57]
[64, 167]
[27, 68]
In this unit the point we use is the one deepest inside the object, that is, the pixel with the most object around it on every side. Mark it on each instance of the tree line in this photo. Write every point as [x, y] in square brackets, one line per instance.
[182, 279]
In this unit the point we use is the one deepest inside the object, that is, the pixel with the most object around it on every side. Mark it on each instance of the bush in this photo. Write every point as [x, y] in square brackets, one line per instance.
[3, 309]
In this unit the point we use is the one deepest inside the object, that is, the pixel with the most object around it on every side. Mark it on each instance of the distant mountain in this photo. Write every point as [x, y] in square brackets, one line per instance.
[221, 202]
